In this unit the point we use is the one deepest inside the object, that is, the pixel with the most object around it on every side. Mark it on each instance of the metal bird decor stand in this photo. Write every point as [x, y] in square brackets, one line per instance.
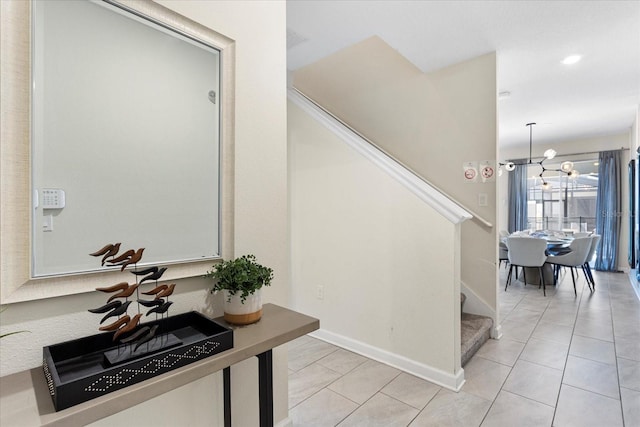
[136, 339]
[131, 346]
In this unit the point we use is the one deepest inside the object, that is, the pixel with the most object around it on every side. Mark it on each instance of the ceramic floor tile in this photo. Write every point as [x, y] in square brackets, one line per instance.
[521, 371]
[546, 353]
[589, 348]
[512, 410]
[553, 332]
[523, 315]
[411, 390]
[626, 329]
[559, 317]
[449, 409]
[309, 381]
[531, 303]
[383, 411]
[629, 373]
[630, 407]
[592, 376]
[517, 331]
[325, 408]
[309, 352]
[594, 329]
[581, 408]
[503, 351]
[305, 339]
[484, 377]
[342, 361]
[364, 381]
[535, 382]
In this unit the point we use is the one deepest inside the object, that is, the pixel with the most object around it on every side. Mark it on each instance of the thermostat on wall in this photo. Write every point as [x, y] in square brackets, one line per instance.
[52, 198]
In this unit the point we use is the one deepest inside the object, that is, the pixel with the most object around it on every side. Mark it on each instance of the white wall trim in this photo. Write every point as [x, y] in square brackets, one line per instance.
[418, 186]
[474, 304]
[420, 370]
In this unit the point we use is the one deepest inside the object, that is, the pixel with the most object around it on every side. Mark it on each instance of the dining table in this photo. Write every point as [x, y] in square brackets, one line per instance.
[556, 245]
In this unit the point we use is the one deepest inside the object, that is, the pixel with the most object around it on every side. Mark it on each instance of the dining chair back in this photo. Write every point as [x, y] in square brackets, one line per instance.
[580, 247]
[503, 254]
[595, 240]
[526, 252]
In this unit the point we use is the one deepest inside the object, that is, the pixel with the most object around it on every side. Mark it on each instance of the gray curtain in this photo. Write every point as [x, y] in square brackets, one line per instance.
[608, 210]
[518, 198]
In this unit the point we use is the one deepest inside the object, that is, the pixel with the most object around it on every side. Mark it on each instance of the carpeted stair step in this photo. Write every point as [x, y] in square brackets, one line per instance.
[475, 330]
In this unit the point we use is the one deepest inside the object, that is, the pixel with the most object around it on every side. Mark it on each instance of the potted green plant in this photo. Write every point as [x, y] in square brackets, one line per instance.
[241, 281]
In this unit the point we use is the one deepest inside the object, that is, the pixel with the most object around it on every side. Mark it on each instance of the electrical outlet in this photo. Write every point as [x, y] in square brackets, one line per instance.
[320, 292]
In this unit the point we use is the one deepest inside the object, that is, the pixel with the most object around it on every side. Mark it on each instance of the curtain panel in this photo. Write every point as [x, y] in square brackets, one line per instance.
[608, 211]
[518, 198]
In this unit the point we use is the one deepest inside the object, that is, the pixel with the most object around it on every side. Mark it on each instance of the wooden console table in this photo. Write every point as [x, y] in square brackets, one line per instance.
[25, 399]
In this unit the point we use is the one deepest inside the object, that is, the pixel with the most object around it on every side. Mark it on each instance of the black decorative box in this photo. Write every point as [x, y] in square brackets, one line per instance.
[86, 368]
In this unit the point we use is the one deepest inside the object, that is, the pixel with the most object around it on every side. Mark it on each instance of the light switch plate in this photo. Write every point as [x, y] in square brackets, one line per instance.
[482, 199]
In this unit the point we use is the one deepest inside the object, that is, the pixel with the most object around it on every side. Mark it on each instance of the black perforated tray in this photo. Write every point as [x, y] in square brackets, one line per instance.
[78, 370]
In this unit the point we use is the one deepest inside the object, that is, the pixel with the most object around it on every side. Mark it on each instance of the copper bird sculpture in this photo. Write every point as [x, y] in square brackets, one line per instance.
[130, 326]
[115, 325]
[127, 258]
[107, 251]
[124, 256]
[117, 287]
[156, 290]
[137, 256]
[125, 293]
[140, 332]
[166, 292]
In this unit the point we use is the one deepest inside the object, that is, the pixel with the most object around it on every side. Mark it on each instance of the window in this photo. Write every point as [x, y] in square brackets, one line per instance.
[569, 204]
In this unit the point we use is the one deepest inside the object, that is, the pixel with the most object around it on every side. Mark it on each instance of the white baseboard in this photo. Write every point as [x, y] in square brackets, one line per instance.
[496, 331]
[449, 381]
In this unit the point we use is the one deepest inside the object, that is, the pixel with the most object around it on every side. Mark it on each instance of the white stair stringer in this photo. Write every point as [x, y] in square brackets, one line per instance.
[476, 305]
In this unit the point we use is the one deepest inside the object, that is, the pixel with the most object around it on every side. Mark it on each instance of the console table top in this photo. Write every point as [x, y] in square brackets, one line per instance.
[25, 399]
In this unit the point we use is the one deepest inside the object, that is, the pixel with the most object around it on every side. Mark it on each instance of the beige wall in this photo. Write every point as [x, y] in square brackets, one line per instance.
[260, 224]
[432, 123]
[585, 145]
[385, 261]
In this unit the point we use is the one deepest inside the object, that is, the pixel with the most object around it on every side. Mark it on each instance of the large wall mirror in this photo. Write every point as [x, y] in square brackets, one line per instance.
[127, 109]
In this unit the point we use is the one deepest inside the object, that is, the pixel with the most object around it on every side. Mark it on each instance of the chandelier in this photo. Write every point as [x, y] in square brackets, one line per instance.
[565, 167]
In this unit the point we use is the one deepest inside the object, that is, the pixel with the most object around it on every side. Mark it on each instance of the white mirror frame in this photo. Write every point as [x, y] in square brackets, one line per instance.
[16, 281]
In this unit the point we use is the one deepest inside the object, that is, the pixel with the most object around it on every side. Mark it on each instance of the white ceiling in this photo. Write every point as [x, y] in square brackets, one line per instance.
[597, 96]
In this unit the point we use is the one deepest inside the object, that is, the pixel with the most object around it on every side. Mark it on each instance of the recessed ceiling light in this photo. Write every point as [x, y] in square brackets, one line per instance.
[571, 59]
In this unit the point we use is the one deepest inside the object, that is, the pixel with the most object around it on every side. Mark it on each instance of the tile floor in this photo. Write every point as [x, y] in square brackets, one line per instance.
[562, 361]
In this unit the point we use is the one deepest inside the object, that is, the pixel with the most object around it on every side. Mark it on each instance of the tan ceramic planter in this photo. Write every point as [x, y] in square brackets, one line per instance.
[237, 313]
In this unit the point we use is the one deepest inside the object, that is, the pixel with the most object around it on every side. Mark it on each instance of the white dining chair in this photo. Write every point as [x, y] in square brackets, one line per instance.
[526, 252]
[503, 254]
[582, 234]
[595, 240]
[580, 248]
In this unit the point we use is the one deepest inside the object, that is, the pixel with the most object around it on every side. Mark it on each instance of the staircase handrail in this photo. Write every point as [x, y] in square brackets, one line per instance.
[444, 203]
